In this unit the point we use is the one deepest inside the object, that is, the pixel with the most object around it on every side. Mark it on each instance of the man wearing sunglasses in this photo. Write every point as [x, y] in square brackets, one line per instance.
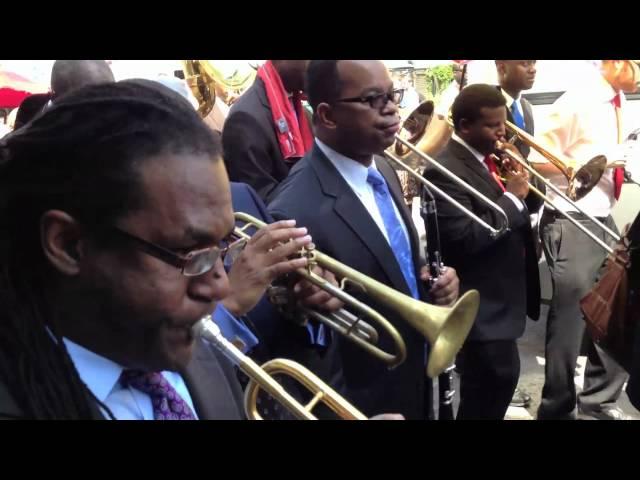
[351, 201]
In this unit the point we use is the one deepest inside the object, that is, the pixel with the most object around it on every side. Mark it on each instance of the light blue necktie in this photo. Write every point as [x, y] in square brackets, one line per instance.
[397, 239]
[518, 119]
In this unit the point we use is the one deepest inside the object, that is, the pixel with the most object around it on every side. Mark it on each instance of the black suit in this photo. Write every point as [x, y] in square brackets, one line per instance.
[319, 198]
[251, 150]
[210, 378]
[503, 270]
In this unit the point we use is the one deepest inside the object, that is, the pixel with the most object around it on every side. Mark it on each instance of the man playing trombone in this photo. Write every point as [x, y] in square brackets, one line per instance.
[585, 121]
[502, 267]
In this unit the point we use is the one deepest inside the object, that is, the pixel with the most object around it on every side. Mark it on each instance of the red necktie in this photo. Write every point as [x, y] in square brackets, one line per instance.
[493, 170]
[618, 173]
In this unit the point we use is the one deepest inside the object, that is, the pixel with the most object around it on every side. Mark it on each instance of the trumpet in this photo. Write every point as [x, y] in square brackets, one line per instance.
[445, 328]
[261, 377]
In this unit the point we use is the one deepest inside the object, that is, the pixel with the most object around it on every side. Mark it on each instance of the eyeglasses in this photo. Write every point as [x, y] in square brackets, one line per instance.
[194, 263]
[378, 101]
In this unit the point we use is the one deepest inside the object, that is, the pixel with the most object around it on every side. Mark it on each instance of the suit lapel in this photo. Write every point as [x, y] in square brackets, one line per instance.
[475, 167]
[261, 92]
[209, 386]
[353, 213]
[527, 113]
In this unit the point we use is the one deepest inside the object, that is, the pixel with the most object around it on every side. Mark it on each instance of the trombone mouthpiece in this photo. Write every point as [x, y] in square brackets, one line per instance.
[207, 329]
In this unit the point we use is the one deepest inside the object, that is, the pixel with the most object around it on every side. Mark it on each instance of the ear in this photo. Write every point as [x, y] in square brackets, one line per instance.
[62, 241]
[464, 125]
[324, 114]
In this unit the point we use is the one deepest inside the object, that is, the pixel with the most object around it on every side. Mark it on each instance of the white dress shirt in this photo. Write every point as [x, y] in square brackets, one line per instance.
[355, 174]
[102, 377]
[517, 202]
[582, 125]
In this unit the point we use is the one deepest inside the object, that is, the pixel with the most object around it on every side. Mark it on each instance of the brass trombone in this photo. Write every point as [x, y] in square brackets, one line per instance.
[578, 188]
[416, 124]
[262, 378]
[446, 328]
[580, 182]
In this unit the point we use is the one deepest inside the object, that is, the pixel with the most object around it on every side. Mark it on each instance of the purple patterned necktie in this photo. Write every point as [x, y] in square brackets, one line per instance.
[167, 403]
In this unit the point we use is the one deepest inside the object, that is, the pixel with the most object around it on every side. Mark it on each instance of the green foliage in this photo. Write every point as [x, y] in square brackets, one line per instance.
[435, 80]
[443, 75]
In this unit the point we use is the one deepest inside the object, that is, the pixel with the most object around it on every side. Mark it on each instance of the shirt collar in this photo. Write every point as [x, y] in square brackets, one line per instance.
[508, 98]
[353, 171]
[100, 374]
[475, 152]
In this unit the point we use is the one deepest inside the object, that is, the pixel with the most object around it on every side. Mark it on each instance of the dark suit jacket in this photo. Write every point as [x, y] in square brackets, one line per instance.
[503, 270]
[318, 197]
[251, 149]
[533, 201]
[633, 387]
[210, 378]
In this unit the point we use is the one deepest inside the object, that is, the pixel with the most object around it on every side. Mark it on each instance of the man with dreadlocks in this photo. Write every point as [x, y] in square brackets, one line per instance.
[112, 226]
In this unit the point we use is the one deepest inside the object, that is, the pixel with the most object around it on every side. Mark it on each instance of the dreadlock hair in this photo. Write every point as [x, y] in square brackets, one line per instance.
[81, 156]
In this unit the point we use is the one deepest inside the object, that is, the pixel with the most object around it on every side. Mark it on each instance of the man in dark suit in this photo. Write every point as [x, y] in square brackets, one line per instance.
[503, 269]
[256, 132]
[514, 77]
[351, 201]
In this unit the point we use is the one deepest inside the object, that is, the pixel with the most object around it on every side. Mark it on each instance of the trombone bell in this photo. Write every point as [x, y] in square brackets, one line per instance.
[415, 126]
[586, 177]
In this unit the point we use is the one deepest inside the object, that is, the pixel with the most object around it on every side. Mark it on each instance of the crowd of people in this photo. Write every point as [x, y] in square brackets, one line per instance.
[118, 205]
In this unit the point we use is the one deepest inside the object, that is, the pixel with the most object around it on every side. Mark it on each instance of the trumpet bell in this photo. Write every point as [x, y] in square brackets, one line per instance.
[586, 177]
[449, 330]
[415, 126]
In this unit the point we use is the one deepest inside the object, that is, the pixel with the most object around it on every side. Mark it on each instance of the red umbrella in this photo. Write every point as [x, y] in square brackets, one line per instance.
[15, 88]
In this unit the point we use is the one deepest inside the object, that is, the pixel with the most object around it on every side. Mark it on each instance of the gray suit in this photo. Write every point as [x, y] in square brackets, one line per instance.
[210, 378]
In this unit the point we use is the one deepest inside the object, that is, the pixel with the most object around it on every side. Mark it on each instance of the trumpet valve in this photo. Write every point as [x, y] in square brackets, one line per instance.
[308, 251]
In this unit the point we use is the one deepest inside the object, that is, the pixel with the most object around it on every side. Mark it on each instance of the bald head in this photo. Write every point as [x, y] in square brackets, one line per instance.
[68, 75]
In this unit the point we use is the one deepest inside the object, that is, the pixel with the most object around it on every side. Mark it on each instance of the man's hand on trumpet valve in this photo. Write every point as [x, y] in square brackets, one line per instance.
[265, 257]
[313, 296]
[446, 288]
